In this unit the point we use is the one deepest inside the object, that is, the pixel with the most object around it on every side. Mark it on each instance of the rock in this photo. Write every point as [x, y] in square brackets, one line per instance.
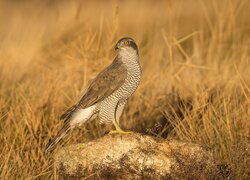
[134, 156]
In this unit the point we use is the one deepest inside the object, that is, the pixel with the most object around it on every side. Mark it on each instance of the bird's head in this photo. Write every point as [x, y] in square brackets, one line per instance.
[126, 44]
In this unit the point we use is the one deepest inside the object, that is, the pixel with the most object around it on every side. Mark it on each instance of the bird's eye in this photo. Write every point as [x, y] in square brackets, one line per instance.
[126, 42]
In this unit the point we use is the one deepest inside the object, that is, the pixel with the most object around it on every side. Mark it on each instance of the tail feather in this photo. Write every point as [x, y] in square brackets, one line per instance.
[69, 113]
[50, 146]
[73, 117]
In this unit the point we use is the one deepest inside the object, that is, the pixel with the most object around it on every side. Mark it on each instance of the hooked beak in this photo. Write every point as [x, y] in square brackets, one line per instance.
[116, 47]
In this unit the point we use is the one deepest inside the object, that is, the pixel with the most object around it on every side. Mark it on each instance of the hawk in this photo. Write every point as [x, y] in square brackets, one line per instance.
[107, 94]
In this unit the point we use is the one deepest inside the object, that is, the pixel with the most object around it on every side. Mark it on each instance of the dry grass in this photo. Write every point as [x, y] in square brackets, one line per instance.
[195, 87]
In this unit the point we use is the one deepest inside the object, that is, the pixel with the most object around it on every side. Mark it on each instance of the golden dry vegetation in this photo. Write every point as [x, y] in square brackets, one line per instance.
[195, 87]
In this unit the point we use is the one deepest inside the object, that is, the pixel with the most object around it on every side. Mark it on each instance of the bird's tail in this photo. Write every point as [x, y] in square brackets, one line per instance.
[50, 146]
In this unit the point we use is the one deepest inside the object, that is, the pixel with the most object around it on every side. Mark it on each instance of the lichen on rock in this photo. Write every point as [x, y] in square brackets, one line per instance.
[134, 156]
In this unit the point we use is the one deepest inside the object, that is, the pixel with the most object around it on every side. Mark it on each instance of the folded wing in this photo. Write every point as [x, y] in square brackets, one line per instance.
[107, 82]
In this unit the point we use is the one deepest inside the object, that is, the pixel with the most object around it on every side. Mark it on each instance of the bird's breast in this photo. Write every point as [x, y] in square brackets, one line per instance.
[132, 81]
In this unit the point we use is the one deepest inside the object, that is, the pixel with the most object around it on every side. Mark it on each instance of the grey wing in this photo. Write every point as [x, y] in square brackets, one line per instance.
[108, 81]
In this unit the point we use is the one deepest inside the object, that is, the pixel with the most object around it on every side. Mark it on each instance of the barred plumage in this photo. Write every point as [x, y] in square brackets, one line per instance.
[107, 94]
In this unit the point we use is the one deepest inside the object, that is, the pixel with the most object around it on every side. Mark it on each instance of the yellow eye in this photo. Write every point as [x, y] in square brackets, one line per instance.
[126, 42]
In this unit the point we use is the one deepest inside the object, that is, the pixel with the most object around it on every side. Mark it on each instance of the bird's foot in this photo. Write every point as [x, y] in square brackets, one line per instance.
[120, 132]
[80, 146]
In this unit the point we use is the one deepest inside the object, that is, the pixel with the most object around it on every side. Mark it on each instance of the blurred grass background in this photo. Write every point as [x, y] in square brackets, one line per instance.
[195, 86]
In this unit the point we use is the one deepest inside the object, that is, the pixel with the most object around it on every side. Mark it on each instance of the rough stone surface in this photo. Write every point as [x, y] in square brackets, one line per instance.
[134, 156]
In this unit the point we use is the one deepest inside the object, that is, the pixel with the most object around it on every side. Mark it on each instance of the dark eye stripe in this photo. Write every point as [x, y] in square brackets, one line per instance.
[128, 42]
[133, 45]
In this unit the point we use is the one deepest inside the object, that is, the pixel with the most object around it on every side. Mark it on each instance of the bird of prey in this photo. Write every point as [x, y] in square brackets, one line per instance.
[107, 94]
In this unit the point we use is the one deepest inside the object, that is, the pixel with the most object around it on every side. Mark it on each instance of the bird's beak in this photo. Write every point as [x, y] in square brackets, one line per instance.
[116, 47]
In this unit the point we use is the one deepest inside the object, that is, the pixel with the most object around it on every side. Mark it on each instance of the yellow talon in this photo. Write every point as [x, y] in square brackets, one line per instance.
[120, 131]
[80, 146]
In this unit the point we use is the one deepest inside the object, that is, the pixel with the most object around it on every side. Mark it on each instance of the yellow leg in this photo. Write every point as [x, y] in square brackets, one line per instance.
[118, 129]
